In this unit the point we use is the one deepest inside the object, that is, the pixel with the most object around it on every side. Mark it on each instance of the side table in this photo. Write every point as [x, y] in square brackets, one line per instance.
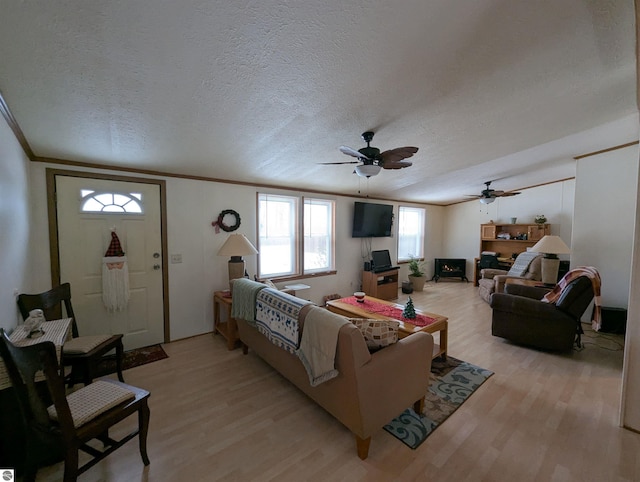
[228, 329]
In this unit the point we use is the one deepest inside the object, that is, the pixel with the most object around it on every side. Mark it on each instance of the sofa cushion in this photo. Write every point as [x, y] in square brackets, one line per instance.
[377, 333]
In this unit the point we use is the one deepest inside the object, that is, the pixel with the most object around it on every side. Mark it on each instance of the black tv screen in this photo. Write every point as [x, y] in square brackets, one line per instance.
[372, 220]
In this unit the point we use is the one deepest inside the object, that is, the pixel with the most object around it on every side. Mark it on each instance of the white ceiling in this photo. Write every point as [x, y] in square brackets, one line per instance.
[262, 91]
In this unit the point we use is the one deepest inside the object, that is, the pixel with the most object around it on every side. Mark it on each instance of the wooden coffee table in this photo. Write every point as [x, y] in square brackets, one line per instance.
[405, 329]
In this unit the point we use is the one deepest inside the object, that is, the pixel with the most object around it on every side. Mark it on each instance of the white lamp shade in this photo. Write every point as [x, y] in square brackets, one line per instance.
[367, 170]
[237, 245]
[487, 200]
[551, 245]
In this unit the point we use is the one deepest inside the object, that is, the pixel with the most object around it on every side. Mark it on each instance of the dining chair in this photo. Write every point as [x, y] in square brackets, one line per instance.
[57, 426]
[82, 353]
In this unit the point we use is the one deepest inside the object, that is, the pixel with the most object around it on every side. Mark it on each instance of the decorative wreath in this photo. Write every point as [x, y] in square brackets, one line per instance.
[219, 223]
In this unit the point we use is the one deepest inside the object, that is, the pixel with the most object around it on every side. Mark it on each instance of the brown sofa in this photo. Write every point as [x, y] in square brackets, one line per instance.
[370, 389]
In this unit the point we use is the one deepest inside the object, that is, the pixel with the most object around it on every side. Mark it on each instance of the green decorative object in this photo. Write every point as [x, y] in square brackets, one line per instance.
[415, 267]
[409, 311]
[540, 219]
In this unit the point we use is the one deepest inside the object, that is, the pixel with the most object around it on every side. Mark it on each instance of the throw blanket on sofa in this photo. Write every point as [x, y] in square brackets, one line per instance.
[318, 344]
[591, 273]
[277, 317]
[243, 301]
[521, 264]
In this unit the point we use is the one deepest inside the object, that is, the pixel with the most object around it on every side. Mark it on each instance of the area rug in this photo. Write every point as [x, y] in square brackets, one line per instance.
[132, 358]
[452, 382]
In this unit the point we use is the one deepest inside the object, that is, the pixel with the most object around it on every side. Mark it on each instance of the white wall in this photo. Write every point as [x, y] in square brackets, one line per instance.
[15, 223]
[463, 220]
[191, 207]
[604, 220]
[452, 231]
[630, 410]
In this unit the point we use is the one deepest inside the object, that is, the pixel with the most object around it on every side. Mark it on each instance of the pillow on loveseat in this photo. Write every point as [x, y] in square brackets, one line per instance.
[377, 333]
[270, 284]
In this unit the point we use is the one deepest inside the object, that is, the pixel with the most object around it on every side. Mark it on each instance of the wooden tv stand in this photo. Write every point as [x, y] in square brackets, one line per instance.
[383, 285]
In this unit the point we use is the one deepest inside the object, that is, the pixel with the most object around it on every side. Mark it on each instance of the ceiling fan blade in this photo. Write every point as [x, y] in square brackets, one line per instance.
[397, 154]
[346, 162]
[497, 193]
[352, 152]
[505, 194]
[396, 165]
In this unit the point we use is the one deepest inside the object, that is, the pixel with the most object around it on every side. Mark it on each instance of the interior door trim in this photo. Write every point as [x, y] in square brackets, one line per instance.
[52, 213]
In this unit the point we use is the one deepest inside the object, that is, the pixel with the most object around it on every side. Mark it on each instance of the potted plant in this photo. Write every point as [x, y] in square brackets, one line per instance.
[416, 274]
[540, 219]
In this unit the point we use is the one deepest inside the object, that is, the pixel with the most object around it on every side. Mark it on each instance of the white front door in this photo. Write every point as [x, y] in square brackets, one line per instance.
[84, 234]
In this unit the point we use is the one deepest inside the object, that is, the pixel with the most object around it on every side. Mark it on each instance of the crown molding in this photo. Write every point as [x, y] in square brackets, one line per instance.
[13, 124]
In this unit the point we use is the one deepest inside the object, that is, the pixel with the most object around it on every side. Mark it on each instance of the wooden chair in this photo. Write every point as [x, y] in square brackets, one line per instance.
[82, 353]
[60, 430]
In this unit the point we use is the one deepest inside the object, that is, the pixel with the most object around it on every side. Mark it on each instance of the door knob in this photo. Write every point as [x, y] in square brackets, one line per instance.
[156, 255]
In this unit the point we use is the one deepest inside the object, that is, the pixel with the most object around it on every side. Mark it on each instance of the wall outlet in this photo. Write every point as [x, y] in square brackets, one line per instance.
[176, 258]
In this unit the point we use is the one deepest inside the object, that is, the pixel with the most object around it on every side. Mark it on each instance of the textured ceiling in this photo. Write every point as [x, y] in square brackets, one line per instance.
[262, 91]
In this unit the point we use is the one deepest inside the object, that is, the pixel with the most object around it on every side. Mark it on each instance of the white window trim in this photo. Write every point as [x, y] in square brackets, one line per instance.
[89, 194]
[299, 270]
[420, 245]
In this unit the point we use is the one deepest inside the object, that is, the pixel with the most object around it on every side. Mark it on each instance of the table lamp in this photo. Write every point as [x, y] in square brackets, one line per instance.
[551, 246]
[236, 246]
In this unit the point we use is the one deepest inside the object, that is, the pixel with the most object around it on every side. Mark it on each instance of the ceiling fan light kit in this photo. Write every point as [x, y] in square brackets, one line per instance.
[370, 160]
[487, 200]
[367, 170]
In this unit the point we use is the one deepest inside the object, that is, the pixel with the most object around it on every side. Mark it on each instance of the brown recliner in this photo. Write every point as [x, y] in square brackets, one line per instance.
[493, 280]
[520, 316]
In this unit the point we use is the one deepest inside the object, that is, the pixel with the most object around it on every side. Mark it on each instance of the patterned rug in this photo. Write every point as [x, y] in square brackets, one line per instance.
[132, 358]
[452, 382]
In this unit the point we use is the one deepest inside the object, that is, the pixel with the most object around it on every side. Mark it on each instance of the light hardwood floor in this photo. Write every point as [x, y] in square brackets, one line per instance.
[219, 415]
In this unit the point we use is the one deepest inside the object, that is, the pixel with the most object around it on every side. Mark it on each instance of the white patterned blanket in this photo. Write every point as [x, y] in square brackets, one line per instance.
[522, 262]
[277, 317]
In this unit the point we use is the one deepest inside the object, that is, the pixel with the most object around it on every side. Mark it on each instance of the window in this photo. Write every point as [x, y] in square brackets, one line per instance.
[410, 233]
[318, 235]
[277, 235]
[294, 241]
[110, 202]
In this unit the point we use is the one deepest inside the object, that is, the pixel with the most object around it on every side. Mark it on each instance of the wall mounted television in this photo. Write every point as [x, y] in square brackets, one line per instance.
[372, 220]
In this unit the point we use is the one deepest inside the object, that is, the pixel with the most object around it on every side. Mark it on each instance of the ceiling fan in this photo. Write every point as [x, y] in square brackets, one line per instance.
[371, 160]
[488, 195]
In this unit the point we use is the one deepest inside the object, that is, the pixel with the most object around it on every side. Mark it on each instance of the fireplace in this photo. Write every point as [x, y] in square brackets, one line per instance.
[450, 268]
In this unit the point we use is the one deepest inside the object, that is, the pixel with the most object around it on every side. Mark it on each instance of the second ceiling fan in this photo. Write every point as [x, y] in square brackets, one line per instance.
[488, 195]
[371, 160]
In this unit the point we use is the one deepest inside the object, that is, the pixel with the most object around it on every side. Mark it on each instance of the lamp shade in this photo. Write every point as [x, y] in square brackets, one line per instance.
[487, 200]
[551, 245]
[237, 245]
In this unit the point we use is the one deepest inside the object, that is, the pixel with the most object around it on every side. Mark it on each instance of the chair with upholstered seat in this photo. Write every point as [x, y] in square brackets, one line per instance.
[81, 353]
[520, 315]
[57, 426]
[527, 265]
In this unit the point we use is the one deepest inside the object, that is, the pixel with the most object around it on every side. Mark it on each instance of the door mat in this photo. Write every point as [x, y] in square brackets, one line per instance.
[131, 358]
[451, 383]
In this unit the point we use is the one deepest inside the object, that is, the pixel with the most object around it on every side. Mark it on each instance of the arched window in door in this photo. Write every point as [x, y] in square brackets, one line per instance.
[110, 202]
